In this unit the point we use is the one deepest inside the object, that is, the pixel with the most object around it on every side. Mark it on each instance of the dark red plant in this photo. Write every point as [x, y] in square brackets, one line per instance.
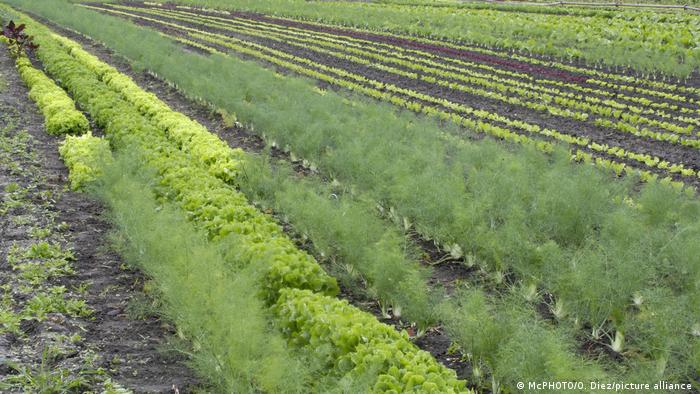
[19, 41]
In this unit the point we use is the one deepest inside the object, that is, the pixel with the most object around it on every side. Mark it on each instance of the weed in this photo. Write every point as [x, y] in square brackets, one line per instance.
[37, 273]
[55, 301]
[47, 378]
[12, 187]
[46, 250]
[143, 306]
[22, 220]
[40, 233]
[10, 321]
[19, 42]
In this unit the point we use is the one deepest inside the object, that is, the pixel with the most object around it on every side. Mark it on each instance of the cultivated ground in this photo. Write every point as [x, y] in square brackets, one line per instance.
[74, 316]
[501, 209]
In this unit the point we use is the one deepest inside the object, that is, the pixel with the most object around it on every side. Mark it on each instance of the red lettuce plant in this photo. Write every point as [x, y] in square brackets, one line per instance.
[19, 41]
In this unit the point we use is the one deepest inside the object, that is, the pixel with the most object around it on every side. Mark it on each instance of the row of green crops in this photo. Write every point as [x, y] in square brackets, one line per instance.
[558, 351]
[352, 240]
[192, 172]
[298, 328]
[213, 152]
[572, 366]
[645, 41]
[499, 125]
[515, 211]
[367, 247]
[58, 109]
[649, 86]
[397, 55]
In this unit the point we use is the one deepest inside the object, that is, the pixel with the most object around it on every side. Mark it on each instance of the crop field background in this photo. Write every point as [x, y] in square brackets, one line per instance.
[339, 196]
[651, 125]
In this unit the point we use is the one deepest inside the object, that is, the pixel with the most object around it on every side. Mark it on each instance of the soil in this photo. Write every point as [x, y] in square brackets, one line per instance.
[133, 351]
[674, 153]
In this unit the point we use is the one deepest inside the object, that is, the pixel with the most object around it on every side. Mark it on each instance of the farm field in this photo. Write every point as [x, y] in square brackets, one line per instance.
[479, 89]
[314, 196]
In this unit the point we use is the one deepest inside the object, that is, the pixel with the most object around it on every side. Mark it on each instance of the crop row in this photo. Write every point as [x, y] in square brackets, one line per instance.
[610, 108]
[196, 176]
[497, 90]
[463, 116]
[369, 46]
[505, 90]
[227, 41]
[301, 312]
[397, 354]
[666, 46]
[402, 45]
[602, 11]
[58, 109]
[637, 84]
[549, 100]
[563, 71]
[441, 108]
[425, 62]
[85, 156]
[508, 63]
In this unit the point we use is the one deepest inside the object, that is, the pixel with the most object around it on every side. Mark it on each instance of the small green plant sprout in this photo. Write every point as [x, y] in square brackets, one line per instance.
[637, 299]
[695, 330]
[597, 332]
[577, 323]
[558, 309]
[469, 260]
[456, 251]
[495, 386]
[384, 308]
[453, 349]
[498, 277]
[406, 223]
[40, 233]
[396, 310]
[618, 343]
[111, 387]
[477, 374]
[18, 41]
[12, 187]
[529, 291]
[229, 119]
[661, 364]
[45, 250]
